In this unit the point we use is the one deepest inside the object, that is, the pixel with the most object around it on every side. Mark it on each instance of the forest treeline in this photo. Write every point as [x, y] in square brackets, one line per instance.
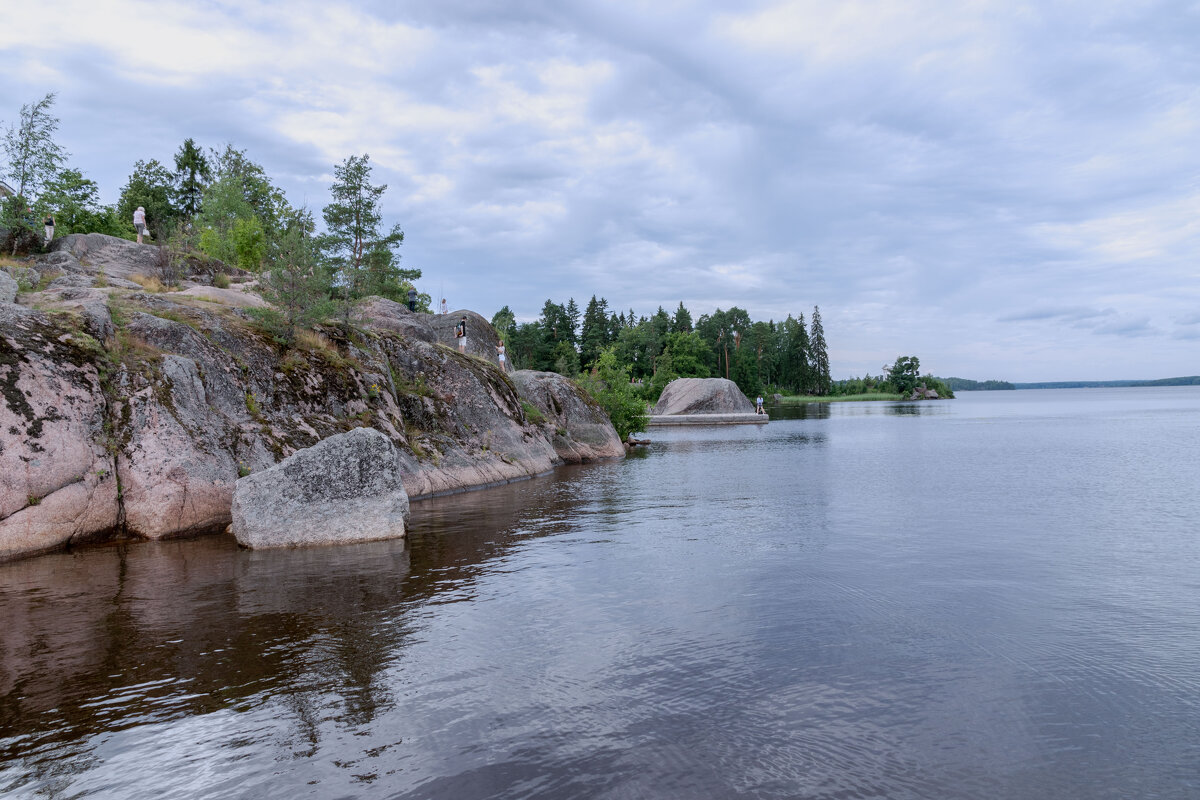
[758, 356]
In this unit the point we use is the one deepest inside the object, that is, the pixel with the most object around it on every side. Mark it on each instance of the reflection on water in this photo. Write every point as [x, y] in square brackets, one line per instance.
[993, 597]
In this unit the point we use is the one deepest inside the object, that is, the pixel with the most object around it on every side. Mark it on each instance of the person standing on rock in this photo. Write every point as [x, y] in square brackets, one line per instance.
[139, 222]
[500, 353]
[758, 407]
[445, 308]
[412, 299]
[460, 333]
[49, 223]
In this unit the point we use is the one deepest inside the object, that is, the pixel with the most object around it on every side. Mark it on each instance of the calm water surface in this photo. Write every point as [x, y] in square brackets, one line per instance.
[994, 597]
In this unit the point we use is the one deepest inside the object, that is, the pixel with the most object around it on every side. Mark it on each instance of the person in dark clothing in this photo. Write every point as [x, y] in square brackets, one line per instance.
[412, 299]
[460, 333]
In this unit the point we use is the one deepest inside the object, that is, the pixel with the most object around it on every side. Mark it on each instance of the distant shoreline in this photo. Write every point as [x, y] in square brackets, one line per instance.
[965, 385]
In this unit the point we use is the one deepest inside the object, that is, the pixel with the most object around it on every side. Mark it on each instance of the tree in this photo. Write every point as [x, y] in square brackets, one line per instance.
[74, 201]
[904, 374]
[682, 321]
[150, 186]
[595, 333]
[361, 256]
[32, 154]
[192, 173]
[608, 384]
[820, 357]
[241, 212]
[294, 283]
[505, 322]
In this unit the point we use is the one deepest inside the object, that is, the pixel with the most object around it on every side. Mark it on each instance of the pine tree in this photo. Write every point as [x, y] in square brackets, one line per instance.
[294, 283]
[360, 256]
[820, 356]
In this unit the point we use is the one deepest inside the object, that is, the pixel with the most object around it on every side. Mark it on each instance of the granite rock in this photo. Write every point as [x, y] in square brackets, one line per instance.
[346, 488]
[702, 396]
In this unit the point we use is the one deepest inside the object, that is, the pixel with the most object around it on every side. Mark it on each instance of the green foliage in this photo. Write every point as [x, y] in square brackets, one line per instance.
[249, 243]
[609, 385]
[74, 202]
[151, 186]
[32, 155]
[505, 322]
[294, 283]
[23, 234]
[533, 413]
[241, 212]
[904, 375]
[192, 173]
[359, 256]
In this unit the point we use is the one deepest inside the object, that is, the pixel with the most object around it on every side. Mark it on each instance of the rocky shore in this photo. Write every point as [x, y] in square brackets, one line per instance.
[133, 413]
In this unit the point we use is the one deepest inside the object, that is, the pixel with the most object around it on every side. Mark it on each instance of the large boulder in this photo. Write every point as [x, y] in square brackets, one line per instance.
[8, 288]
[481, 336]
[346, 488]
[382, 314]
[702, 396]
[580, 429]
[119, 258]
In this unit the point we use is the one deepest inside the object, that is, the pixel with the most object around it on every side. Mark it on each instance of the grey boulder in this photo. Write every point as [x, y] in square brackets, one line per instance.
[702, 396]
[8, 288]
[343, 489]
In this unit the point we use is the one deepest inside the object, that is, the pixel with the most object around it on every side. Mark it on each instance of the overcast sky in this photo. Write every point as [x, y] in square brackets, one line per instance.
[1004, 189]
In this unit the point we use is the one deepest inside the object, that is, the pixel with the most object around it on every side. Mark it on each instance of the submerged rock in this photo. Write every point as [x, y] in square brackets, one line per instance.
[346, 488]
[702, 396]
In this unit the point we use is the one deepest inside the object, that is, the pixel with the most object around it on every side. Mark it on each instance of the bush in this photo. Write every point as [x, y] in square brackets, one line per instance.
[608, 384]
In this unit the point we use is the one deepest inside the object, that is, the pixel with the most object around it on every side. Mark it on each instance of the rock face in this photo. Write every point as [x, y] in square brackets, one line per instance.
[481, 336]
[581, 431]
[702, 396]
[132, 413]
[119, 258]
[57, 476]
[346, 488]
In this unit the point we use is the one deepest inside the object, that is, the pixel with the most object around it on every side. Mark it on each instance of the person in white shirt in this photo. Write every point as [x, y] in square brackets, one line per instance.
[139, 222]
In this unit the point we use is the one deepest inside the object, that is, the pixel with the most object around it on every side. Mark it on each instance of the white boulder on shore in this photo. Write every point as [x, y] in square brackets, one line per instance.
[343, 489]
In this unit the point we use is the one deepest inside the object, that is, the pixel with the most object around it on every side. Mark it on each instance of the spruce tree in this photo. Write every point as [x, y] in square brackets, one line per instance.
[820, 356]
[192, 173]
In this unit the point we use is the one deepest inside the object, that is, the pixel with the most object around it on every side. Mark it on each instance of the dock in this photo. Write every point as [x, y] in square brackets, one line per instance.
[747, 418]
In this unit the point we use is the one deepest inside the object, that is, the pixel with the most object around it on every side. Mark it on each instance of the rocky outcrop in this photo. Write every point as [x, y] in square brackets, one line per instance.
[481, 336]
[580, 429]
[381, 314]
[57, 472]
[346, 488]
[131, 413]
[118, 258]
[702, 396]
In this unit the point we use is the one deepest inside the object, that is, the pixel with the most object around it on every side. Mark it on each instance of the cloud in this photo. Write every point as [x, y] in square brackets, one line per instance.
[941, 181]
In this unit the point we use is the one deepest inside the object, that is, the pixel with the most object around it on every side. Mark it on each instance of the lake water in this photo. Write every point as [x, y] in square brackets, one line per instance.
[991, 597]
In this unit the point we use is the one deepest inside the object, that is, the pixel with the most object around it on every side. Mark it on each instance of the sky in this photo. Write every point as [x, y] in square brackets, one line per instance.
[1006, 190]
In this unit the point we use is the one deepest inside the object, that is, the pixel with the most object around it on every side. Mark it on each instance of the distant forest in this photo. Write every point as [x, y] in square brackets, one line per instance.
[1191, 380]
[966, 385]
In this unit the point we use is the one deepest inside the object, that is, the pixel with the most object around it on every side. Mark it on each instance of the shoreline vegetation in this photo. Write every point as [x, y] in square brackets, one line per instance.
[866, 397]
